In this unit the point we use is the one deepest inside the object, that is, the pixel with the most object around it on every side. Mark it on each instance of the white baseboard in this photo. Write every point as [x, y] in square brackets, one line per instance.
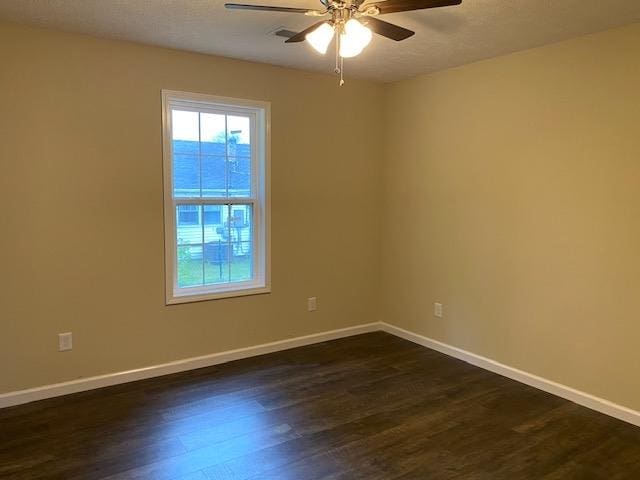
[49, 391]
[581, 398]
[590, 401]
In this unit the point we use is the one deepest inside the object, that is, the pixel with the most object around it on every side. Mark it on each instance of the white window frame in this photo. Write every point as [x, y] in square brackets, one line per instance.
[260, 114]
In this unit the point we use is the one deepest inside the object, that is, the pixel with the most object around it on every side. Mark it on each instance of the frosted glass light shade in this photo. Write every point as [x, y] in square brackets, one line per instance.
[355, 37]
[320, 38]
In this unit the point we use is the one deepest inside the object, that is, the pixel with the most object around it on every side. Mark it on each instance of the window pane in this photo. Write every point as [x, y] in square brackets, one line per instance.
[212, 215]
[214, 176]
[213, 150]
[212, 134]
[186, 163]
[186, 175]
[190, 271]
[216, 246]
[189, 233]
[187, 215]
[241, 267]
[189, 250]
[184, 126]
[216, 262]
[240, 231]
[238, 136]
[240, 223]
[239, 176]
[239, 155]
[214, 223]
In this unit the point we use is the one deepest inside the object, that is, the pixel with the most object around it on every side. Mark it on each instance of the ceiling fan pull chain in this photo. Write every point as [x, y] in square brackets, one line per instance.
[337, 69]
[339, 60]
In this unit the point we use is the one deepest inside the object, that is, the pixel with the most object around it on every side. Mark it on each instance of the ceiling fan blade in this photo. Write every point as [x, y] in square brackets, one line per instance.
[267, 8]
[386, 29]
[300, 36]
[392, 6]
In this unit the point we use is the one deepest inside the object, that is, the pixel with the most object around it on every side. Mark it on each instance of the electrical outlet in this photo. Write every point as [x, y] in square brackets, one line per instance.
[312, 304]
[65, 341]
[437, 310]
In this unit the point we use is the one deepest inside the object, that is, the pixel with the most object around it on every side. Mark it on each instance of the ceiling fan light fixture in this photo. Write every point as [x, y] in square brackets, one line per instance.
[321, 37]
[354, 39]
[352, 35]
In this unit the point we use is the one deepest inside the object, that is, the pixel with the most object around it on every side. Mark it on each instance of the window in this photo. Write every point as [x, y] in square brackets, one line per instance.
[216, 153]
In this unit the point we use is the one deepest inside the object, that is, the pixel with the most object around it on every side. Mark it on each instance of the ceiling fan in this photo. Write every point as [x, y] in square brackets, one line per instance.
[351, 22]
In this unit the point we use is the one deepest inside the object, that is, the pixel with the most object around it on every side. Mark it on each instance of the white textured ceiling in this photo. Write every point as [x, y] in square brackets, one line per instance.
[444, 37]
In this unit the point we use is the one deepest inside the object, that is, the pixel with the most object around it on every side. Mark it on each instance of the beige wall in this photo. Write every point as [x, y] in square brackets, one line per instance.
[81, 247]
[512, 195]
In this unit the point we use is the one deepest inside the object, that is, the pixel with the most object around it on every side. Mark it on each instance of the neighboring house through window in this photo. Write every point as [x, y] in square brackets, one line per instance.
[188, 215]
[216, 153]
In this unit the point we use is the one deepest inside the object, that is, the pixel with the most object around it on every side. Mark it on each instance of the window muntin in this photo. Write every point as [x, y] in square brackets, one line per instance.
[216, 153]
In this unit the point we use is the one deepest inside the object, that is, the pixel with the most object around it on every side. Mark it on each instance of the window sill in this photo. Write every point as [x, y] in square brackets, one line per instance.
[216, 295]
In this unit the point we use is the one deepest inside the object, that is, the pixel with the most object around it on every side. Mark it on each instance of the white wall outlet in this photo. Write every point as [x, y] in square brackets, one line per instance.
[65, 341]
[437, 309]
[312, 304]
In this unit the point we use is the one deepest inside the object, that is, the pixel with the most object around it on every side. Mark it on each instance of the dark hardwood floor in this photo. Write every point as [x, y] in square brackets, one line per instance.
[367, 407]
